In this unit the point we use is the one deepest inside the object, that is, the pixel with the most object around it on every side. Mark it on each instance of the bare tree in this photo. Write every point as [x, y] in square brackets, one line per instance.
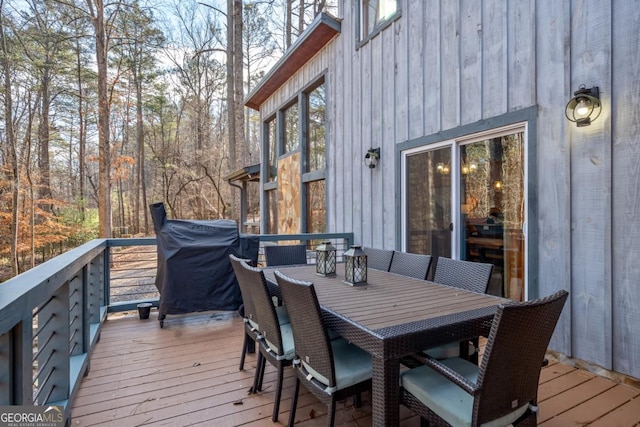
[139, 42]
[96, 10]
[14, 173]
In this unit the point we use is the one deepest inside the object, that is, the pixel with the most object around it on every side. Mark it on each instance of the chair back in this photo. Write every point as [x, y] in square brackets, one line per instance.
[471, 276]
[516, 347]
[310, 336]
[412, 265]
[285, 255]
[380, 259]
[245, 288]
[263, 305]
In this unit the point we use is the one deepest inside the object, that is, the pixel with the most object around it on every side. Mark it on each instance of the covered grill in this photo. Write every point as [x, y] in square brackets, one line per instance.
[194, 271]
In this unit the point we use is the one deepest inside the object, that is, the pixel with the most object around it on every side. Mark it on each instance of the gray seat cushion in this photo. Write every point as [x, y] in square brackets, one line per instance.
[445, 351]
[288, 351]
[353, 365]
[281, 312]
[445, 398]
[283, 316]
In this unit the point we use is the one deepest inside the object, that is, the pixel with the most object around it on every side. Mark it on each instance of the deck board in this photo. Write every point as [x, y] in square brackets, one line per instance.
[187, 374]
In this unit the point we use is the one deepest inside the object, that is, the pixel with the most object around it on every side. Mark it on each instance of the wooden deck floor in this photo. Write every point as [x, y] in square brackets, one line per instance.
[187, 374]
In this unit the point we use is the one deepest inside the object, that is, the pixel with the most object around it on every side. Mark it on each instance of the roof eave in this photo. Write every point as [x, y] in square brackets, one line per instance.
[247, 173]
[311, 41]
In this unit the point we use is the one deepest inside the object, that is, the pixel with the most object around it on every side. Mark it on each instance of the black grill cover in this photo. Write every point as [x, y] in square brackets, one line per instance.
[194, 271]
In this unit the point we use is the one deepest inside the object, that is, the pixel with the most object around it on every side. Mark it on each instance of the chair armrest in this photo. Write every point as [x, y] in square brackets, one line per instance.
[453, 376]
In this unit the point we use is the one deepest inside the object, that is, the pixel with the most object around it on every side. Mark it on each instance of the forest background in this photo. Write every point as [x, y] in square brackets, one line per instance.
[110, 106]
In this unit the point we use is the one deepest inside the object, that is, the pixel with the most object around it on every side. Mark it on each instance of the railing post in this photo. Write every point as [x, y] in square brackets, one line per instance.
[15, 365]
[7, 367]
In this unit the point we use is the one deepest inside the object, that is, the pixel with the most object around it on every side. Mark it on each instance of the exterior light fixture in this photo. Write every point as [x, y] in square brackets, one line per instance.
[584, 107]
[355, 266]
[326, 259]
[372, 157]
[497, 185]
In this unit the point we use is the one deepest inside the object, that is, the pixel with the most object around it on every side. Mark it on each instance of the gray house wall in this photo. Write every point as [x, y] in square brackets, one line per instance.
[445, 65]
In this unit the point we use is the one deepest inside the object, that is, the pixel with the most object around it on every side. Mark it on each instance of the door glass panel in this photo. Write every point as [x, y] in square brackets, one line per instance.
[429, 203]
[492, 208]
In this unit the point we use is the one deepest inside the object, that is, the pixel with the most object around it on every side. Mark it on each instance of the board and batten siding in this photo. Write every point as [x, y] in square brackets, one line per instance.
[623, 112]
[443, 65]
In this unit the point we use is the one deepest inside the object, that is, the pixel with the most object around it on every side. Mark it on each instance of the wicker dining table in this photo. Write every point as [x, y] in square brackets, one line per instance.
[393, 316]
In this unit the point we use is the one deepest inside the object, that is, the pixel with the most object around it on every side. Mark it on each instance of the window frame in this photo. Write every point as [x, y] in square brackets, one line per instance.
[267, 146]
[465, 134]
[301, 100]
[362, 38]
[307, 125]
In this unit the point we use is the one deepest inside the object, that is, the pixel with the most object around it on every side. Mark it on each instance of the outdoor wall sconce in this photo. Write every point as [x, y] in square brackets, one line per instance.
[497, 185]
[355, 266]
[372, 157]
[326, 259]
[584, 107]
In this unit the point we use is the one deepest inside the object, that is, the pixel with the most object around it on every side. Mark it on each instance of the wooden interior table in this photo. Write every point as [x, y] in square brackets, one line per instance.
[394, 316]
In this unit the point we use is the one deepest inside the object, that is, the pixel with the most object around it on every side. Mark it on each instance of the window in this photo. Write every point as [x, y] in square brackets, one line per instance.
[291, 133]
[295, 147]
[465, 198]
[272, 209]
[373, 13]
[316, 206]
[272, 165]
[316, 137]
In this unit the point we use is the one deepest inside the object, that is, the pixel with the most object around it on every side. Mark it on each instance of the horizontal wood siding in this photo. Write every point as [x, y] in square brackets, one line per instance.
[444, 65]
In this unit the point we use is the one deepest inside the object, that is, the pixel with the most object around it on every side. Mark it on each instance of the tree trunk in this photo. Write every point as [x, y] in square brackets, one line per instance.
[141, 187]
[104, 149]
[288, 19]
[301, 17]
[238, 81]
[230, 86]
[81, 130]
[44, 137]
[32, 196]
[14, 175]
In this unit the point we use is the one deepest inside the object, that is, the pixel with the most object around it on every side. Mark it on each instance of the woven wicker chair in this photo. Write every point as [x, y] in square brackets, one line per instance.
[412, 265]
[503, 389]
[332, 370]
[380, 259]
[251, 335]
[470, 276]
[275, 337]
[285, 255]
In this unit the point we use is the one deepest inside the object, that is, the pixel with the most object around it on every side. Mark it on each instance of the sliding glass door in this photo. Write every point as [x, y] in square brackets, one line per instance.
[429, 213]
[465, 199]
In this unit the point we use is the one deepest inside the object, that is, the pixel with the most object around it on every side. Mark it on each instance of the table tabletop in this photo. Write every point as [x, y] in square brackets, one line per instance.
[393, 316]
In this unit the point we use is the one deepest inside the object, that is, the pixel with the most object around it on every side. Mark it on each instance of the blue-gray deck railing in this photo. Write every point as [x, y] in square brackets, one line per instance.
[51, 315]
